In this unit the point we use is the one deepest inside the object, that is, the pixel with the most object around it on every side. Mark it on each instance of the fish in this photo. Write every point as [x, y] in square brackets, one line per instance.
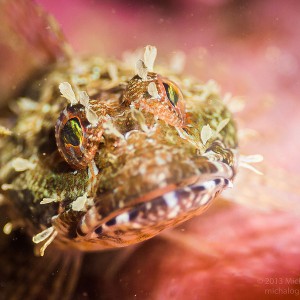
[121, 179]
[101, 155]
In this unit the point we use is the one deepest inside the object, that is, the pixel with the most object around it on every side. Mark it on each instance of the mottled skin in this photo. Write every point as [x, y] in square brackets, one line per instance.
[146, 159]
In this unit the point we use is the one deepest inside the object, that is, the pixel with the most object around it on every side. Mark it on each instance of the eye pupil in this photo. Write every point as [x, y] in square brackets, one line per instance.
[72, 132]
[171, 93]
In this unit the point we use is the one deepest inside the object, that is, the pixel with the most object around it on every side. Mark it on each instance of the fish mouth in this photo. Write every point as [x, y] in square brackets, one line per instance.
[146, 216]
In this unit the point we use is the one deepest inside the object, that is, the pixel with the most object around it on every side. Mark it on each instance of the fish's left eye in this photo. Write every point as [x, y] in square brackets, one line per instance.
[172, 92]
[158, 96]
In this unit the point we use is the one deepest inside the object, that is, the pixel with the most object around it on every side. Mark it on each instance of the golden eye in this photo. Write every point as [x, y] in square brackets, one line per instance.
[162, 99]
[172, 92]
[77, 140]
[71, 133]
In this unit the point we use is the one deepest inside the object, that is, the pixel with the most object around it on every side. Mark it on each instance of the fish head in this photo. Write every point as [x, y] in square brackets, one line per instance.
[149, 175]
[110, 171]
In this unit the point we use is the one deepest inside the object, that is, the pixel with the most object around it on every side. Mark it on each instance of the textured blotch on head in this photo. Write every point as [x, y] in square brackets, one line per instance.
[172, 94]
[72, 132]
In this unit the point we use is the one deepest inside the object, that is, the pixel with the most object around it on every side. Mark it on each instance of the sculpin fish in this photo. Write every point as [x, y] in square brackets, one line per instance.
[102, 156]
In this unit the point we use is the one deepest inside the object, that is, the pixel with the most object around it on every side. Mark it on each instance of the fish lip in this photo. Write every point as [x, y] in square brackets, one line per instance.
[144, 220]
[165, 194]
[217, 169]
[101, 217]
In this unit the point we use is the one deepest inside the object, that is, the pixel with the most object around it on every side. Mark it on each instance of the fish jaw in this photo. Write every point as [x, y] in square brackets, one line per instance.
[123, 217]
[145, 220]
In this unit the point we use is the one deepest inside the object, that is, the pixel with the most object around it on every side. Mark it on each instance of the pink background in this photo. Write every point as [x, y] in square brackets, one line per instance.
[251, 48]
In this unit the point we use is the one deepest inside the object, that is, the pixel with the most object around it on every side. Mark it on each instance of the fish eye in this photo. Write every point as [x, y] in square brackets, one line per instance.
[71, 133]
[172, 92]
[77, 140]
[167, 101]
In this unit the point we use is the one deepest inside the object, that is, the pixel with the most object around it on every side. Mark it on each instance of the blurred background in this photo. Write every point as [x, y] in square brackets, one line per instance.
[251, 49]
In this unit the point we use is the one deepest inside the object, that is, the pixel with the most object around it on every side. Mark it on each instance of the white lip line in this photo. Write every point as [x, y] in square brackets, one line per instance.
[171, 200]
[93, 220]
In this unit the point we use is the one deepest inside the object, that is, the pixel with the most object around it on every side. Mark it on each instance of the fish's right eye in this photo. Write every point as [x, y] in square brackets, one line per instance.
[71, 133]
[76, 138]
